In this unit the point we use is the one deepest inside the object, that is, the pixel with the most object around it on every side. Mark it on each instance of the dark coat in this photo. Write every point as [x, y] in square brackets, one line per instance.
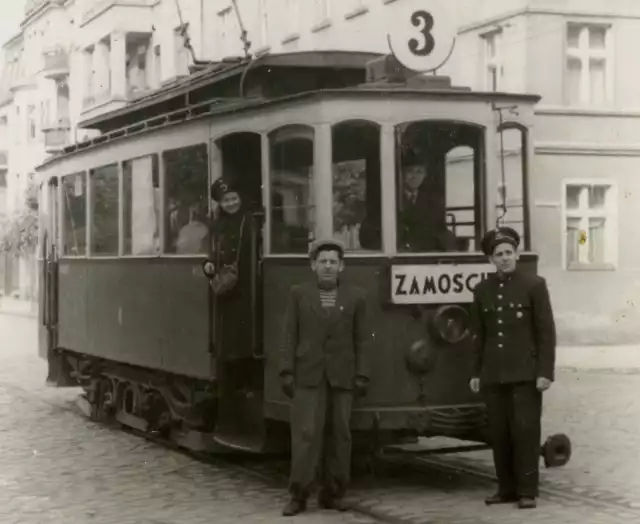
[515, 335]
[233, 310]
[335, 344]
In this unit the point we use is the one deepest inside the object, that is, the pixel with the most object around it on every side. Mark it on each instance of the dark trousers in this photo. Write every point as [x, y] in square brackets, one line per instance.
[320, 439]
[514, 412]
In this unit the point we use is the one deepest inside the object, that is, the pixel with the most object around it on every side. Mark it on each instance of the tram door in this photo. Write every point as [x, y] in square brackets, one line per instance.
[237, 318]
[49, 284]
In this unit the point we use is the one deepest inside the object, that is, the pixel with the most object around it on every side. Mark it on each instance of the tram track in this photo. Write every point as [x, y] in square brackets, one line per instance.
[272, 470]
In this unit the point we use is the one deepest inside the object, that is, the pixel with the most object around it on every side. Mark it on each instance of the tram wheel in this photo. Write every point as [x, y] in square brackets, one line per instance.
[556, 451]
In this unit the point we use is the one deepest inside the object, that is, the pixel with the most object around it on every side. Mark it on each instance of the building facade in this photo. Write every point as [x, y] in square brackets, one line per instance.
[76, 59]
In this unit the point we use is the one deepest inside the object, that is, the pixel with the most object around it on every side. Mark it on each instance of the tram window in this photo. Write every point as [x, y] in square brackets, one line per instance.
[356, 185]
[292, 189]
[141, 194]
[104, 208]
[74, 214]
[438, 184]
[510, 200]
[186, 179]
[460, 208]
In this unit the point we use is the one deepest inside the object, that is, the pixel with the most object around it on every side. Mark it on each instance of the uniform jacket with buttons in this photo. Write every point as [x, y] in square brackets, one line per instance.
[330, 344]
[514, 330]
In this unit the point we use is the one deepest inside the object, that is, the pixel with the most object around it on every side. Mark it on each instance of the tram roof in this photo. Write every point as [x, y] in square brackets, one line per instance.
[216, 91]
[226, 78]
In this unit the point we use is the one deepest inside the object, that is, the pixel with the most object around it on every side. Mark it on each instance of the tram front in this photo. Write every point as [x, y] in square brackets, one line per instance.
[454, 180]
[411, 198]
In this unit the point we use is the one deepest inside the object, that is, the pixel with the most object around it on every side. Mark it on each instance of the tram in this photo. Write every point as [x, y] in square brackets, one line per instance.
[320, 144]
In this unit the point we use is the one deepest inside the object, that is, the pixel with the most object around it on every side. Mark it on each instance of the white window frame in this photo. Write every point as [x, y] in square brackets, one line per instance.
[609, 213]
[492, 63]
[584, 54]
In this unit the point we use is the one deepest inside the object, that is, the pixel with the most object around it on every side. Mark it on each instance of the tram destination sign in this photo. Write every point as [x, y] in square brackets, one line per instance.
[436, 283]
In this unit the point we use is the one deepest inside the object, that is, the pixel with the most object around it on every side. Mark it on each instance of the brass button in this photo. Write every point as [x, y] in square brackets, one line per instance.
[499, 297]
[500, 345]
[500, 334]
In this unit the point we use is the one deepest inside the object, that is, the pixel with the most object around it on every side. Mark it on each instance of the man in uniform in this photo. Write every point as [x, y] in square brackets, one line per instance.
[514, 362]
[323, 365]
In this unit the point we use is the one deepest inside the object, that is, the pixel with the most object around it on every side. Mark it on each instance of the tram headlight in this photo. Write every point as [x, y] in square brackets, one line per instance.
[450, 324]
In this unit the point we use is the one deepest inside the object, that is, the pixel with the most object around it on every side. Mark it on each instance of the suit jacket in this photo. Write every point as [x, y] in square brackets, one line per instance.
[321, 344]
[515, 335]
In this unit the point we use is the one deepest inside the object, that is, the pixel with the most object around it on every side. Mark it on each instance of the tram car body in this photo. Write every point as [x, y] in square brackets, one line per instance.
[319, 144]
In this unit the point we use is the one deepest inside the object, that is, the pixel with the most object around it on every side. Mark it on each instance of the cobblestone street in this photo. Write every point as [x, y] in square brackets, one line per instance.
[58, 467]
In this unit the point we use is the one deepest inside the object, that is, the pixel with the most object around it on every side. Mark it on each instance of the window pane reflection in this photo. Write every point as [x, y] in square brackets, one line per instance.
[141, 193]
[292, 189]
[104, 210]
[356, 185]
[74, 206]
[186, 179]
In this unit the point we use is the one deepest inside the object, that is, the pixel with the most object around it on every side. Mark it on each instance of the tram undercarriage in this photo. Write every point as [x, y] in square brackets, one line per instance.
[185, 412]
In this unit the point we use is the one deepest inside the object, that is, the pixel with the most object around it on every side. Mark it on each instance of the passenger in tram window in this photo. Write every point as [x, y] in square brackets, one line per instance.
[421, 221]
[194, 235]
[231, 245]
[323, 365]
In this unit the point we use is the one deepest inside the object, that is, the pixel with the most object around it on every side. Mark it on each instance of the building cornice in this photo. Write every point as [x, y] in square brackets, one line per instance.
[15, 39]
[38, 11]
[587, 149]
[587, 111]
[91, 15]
[568, 13]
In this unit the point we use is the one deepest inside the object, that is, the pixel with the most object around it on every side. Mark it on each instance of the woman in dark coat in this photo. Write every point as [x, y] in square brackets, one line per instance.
[232, 242]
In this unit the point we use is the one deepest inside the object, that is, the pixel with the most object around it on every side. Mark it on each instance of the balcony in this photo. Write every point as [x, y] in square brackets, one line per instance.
[57, 135]
[56, 64]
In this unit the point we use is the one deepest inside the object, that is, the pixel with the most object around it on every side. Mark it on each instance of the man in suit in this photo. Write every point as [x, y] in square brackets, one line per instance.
[514, 362]
[421, 224]
[421, 217]
[323, 365]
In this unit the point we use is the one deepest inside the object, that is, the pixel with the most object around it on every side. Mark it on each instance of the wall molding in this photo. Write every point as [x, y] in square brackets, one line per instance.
[497, 19]
[587, 111]
[587, 149]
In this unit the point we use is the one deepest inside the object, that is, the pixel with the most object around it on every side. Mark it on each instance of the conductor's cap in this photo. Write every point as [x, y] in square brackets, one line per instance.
[499, 236]
[324, 245]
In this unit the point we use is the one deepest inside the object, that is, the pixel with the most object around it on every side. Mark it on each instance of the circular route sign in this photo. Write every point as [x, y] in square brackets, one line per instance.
[422, 35]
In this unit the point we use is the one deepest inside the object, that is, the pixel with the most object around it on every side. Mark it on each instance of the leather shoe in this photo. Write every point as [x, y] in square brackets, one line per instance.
[499, 498]
[332, 503]
[527, 503]
[294, 507]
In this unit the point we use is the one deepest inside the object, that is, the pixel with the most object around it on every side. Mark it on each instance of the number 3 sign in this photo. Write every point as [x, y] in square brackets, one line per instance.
[422, 35]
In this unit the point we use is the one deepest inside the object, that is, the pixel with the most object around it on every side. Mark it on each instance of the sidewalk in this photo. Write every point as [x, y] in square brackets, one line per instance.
[15, 306]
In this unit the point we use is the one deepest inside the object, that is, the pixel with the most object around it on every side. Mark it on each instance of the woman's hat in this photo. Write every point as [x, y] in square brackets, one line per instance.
[220, 188]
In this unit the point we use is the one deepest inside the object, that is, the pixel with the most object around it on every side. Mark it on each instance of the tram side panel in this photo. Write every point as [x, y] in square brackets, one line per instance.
[145, 312]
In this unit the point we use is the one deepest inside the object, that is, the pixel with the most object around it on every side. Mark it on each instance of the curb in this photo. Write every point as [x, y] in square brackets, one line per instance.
[603, 370]
[24, 314]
